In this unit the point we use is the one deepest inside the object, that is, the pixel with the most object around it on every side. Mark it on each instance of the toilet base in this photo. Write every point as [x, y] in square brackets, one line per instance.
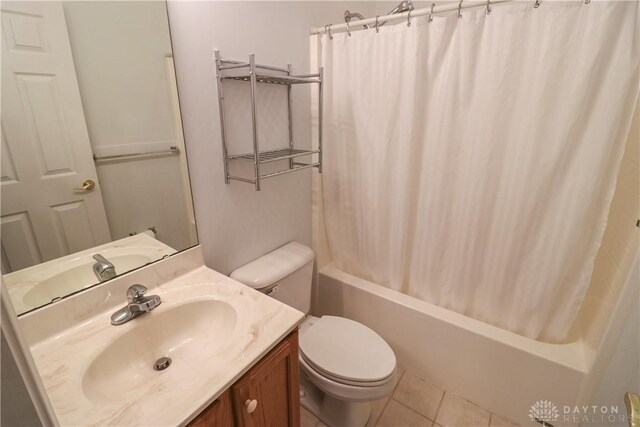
[331, 411]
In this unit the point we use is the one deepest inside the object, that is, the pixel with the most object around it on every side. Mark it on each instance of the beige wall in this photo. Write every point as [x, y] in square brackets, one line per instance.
[236, 224]
[119, 52]
[619, 245]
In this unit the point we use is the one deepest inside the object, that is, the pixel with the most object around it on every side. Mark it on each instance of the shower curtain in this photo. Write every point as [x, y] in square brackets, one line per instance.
[471, 162]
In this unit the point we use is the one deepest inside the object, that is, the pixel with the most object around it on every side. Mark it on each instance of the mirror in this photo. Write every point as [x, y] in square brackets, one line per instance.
[94, 179]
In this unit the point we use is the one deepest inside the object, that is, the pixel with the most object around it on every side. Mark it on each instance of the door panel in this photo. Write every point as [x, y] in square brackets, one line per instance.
[17, 228]
[24, 30]
[68, 218]
[46, 152]
[40, 95]
[7, 169]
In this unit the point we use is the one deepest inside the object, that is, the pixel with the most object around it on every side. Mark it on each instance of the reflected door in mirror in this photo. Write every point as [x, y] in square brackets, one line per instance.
[94, 171]
[51, 204]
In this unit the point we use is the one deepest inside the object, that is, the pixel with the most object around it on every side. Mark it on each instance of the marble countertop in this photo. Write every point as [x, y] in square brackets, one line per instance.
[195, 379]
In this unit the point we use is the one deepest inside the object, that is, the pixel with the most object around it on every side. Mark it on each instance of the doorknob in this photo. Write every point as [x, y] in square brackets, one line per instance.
[88, 185]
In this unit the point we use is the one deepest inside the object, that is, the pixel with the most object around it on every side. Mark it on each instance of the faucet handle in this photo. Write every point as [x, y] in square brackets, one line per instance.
[99, 258]
[135, 292]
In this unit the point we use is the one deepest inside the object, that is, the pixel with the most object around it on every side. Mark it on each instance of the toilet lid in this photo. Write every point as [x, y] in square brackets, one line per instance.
[347, 350]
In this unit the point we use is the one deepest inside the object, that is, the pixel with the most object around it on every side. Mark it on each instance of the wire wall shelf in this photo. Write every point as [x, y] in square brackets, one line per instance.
[268, 78]
[254, 74]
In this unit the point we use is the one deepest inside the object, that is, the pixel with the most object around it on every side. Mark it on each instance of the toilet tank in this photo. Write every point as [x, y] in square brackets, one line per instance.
[284, 274]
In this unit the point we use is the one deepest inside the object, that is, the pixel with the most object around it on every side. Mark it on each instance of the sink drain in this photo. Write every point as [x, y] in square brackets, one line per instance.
[162, 364]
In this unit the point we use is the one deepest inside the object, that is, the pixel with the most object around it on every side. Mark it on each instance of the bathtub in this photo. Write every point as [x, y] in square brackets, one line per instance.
[494, 368]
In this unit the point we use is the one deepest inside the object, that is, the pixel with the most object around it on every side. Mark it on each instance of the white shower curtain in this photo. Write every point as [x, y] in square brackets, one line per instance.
[471, 162]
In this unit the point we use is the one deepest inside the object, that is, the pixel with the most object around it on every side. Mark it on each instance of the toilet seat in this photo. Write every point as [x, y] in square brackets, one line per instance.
[347, 352]
[310, 365]
[346, 392]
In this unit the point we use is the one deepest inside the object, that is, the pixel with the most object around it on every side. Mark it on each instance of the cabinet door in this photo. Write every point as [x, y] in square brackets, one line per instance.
[268, 395]
[218, 414]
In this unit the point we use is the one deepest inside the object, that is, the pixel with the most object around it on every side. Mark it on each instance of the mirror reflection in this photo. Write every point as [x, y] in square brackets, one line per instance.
[94, 171]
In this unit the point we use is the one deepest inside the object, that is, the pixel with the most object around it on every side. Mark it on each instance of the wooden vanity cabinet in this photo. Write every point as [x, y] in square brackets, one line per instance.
[266, 396]
[218, 414]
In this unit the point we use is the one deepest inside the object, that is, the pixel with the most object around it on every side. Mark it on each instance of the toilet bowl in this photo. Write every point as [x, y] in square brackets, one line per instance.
[344, 364]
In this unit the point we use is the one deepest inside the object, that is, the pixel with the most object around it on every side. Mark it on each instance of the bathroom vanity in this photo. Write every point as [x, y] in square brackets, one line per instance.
[233, 352]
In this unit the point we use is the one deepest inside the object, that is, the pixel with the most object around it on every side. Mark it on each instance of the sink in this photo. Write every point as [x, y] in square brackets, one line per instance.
[78, 277]
[210, 326]
[42, 283]
[190, 334]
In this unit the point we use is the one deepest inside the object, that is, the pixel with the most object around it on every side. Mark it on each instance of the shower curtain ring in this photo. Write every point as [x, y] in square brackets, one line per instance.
[409, 19]
[327, 29]
[377, 29]
[587, 1]
[431, 13]
[460, 10]
[536, 4]
[348, 30]
[488, 7]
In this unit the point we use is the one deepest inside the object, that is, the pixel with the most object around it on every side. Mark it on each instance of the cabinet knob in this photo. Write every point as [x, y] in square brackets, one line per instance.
[250, 405]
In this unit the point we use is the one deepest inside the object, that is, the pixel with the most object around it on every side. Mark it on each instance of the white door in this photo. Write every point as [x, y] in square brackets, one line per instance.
[46, 152]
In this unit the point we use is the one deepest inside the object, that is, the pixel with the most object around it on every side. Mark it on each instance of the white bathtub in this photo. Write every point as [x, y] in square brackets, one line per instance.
[497, 369]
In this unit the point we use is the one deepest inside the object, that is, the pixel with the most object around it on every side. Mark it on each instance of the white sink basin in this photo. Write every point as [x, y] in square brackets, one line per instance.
[79, 277]
[189, 334]
[40, 284]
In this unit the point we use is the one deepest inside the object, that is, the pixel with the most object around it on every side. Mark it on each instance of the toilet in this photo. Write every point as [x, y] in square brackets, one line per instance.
[344, 364]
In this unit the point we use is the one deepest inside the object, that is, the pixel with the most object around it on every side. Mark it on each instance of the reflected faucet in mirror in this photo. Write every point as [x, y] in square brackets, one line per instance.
[103, 269]
[138, 305]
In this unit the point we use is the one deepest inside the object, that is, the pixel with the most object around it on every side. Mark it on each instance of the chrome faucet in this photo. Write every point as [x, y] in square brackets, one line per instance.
[103, 269]
[138, 304]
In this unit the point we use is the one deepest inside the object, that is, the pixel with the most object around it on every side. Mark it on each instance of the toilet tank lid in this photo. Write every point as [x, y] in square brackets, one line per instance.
[274, 266]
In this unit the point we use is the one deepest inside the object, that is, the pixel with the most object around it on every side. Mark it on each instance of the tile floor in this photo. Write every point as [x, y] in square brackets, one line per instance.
[417, 402]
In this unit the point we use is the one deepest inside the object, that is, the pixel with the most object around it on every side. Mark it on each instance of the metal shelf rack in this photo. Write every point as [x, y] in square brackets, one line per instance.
[254, 74]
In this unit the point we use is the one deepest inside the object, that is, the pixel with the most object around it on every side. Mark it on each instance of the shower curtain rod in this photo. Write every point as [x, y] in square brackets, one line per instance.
[359, 24]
